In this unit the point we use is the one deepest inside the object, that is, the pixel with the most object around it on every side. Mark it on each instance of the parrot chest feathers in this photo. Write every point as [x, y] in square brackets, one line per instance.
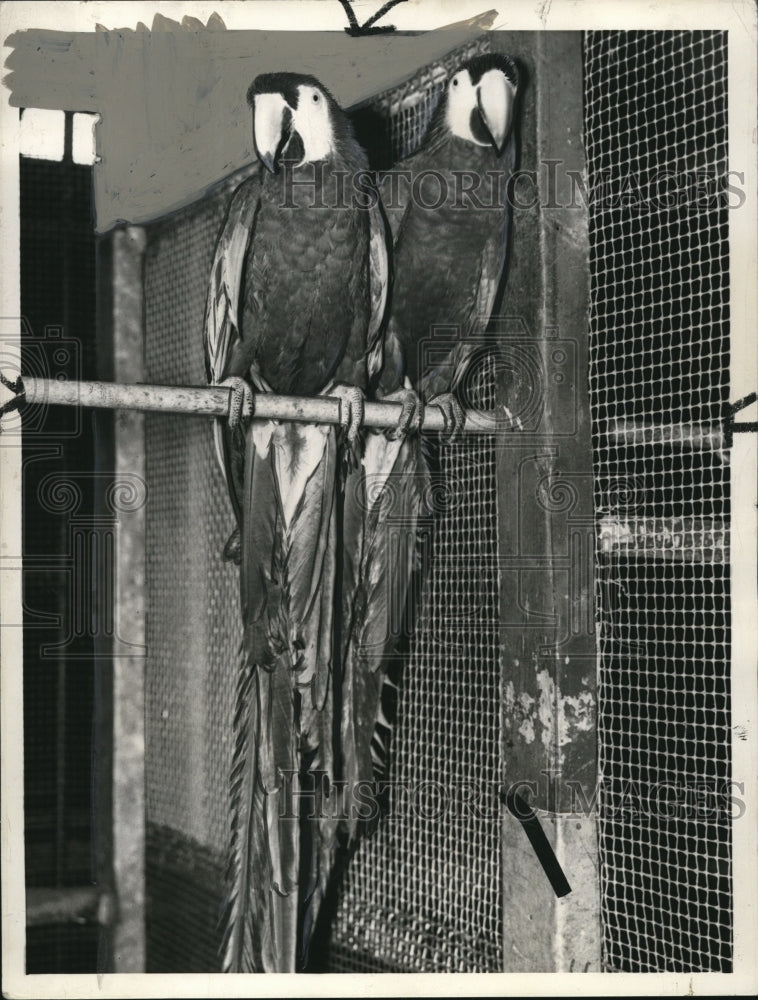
[442, 253]
[301, 291]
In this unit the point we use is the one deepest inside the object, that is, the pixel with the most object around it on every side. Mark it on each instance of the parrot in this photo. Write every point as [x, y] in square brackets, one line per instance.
[296, 305]
[448, 262]
[449, 259]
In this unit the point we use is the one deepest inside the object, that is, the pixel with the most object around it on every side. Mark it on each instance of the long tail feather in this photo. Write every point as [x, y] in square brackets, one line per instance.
[280, 853]
[240, 919]
[381, 528]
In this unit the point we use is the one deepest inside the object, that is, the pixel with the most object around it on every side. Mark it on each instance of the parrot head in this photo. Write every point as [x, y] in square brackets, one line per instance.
[294, 118]
[479, 100]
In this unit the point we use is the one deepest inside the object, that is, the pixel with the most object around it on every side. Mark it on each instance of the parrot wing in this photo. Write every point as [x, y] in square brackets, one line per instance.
[494, 254]
[221, 330]
[394, 203]
[380, 282]
[436, 380]
[395, 194]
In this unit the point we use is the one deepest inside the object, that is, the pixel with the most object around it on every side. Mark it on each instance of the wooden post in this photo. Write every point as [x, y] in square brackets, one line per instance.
[546, 541]
[129, 613]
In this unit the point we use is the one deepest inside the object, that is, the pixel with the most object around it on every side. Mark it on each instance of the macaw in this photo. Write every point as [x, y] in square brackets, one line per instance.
[449, 258]
[296, 305]
[448, 262]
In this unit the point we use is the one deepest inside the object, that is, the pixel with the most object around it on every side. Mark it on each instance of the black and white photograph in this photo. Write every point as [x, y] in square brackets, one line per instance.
[378, 494]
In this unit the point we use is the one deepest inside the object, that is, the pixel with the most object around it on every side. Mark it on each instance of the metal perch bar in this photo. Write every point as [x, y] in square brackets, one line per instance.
[213, 401]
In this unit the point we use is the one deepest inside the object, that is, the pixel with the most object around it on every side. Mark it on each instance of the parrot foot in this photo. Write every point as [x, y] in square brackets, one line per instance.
[240, 401]
[351, 418]
[411, 415]
[452, 414]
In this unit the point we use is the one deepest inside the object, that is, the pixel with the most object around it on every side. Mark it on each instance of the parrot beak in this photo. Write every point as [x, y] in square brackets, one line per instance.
[272, 123]
[494, 99]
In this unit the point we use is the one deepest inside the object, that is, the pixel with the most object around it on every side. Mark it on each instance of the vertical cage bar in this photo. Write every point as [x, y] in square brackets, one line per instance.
[128, 637]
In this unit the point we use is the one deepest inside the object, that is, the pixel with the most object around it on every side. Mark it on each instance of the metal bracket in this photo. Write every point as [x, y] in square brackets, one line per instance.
[527, 817]
[731, 426]
[17, 388]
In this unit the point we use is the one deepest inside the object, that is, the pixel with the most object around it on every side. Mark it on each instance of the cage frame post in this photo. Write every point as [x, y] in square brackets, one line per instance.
[546, 552]
[124, 303]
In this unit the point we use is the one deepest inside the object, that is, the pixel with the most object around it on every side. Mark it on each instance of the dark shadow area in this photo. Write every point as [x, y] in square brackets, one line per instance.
[61, 447]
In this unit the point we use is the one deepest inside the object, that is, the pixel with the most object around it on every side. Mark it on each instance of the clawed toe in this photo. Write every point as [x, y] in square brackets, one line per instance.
[352, 403]
[411, 414]
[452, 414]
[240, 401]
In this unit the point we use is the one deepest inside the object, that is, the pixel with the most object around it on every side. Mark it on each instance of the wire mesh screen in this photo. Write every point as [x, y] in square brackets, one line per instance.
[194, 625]
[193, 628]
[423, 893]
[656, 136]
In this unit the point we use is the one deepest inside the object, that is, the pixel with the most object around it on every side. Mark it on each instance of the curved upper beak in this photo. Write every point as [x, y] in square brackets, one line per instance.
[494, 98]
[272, 123]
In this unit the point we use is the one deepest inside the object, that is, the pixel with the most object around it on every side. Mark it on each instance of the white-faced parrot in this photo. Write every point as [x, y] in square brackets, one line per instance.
[295, 306]
[451, 226]
[449, 212]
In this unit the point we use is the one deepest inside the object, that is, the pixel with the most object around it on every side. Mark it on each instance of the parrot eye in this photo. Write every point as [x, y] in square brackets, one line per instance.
[455, 82]
[315, 98]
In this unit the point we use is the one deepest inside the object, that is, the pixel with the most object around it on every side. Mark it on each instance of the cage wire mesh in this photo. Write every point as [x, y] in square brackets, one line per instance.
[656, 143]
[423, 894]
[193, 626]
